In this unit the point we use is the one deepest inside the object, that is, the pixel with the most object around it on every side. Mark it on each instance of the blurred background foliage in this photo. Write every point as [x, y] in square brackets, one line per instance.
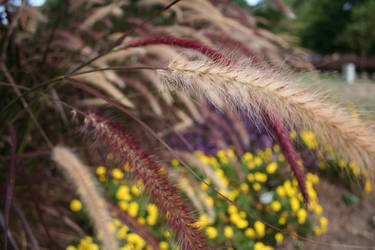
[325, 26]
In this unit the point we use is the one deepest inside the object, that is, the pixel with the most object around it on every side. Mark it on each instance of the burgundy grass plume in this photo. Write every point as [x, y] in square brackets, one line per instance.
[183, 43]
[280, 132]
[143, 167]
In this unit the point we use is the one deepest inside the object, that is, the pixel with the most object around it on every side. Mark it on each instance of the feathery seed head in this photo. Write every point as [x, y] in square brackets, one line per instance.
[84, 182]
[253, 90]
[143, 167]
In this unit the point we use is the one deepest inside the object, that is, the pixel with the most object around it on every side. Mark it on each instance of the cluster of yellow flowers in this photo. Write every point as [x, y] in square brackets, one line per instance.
[129, 199]
[348, 168]
[286, 201]
[282, 201]
[309, 138]
[86, 243]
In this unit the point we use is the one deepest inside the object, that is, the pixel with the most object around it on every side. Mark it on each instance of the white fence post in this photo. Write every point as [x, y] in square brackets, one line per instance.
[348, 71]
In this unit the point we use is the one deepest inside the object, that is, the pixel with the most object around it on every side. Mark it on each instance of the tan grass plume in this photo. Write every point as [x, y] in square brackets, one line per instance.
[80, 176]
[250, 88]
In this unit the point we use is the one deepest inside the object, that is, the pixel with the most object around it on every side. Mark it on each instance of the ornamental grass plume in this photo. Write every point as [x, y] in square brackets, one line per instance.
[286, 145]
[143, 167]
[252, 89]
[81, 177]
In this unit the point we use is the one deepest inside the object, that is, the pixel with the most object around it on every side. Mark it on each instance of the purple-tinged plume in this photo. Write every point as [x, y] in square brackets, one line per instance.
[280, 132]
[143, 167]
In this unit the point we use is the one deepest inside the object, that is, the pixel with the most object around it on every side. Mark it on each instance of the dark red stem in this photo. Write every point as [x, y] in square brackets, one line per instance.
[183, 43]
[281, 133]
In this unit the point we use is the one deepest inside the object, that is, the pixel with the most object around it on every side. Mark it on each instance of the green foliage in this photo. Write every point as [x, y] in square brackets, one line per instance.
[325, 26]
[359, 34]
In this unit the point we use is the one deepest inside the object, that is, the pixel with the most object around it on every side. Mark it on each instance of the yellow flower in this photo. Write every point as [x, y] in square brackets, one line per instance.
[294, 203]
[323, 222]
[232, 209]
[136, 240]
[341, 163]
[251, 165]
[167, 234]
[233, 194]
[75, 205]
[203, 221]
[220, 173]
[272, 167]
[241, 224]
[289, 189]
[211, 232]
[152, 214]
[313, 178]
[117, 223]
[260, 228]
[258, 161]
[249, 232]
[175, 162]
[309, 139]
[281, 158]
[279, 237]
[92, 246]
[122, 232]
[163, 245]
[301, 214]
[282, 221]
[221, 153]
[247, 156]
[204, 187]
[276, 206]
[250, 177]
[70, 247]
[101, 170]
[126, 167]
[257, 186]
[317, 230]
[135, 190]
[133, 209]
[141, 220]
[228, 232]
[123, 205]
[242, 215]
[261, 246]
[210, 201]
[244, 188]
[318, 209]
[127, 247]
[276, 148]
[123, 193]
[293, 134]
[117, 173]
[280, 191]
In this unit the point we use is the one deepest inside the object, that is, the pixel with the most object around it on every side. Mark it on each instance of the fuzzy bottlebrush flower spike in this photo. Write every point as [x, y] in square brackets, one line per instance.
[286, 145]
[80, 176]
[253, 90]
[143, 167]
